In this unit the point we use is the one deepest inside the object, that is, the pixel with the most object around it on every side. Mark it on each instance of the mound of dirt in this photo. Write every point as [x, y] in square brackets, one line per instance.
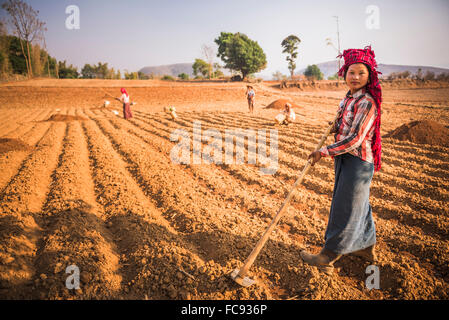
[7, 145]
[63, 117]
[424, 132]
[280, 104]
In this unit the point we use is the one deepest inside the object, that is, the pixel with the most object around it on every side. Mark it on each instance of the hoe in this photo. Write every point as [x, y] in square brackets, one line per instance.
[240, 275]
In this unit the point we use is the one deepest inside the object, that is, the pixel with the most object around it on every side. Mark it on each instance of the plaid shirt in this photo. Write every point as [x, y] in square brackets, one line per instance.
[354, 127]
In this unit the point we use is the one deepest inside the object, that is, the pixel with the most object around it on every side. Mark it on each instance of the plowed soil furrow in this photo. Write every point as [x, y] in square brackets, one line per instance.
[165, 148]
[285, 226]
[433, 220]
[161, 258]
[11, 161]
[307, 144]
[417, 221]
[22, 200]
[130, 216]
[197, 211]
[9, 125]
[7, 115]
[23, 119]
[432, 206]
[350, 270]
[76, 235]
[429, 214]
[243, 173]
[305, 131]
[419, 154]
[228, 173]
[9, 119]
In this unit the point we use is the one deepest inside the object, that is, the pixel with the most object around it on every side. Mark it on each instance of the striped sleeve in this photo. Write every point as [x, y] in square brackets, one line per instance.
[363, 121]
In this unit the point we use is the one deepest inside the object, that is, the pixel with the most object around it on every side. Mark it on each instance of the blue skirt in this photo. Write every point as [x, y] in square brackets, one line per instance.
[351, 225]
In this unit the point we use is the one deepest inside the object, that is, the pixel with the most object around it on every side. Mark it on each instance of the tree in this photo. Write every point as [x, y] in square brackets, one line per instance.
[167, 78]
[183, 76]
[240, 53]
[313, 72]
[88, 72]
[4, 50]
[217, 71]
[209, 54]
[26, 25]
[200, 67]
[429, 75]
[290, 45]
[278, 76]
[142, 76]
[67, 72]
[16, 56]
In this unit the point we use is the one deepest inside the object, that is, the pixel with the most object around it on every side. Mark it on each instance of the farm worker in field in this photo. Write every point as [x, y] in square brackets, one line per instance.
[290, 115]
[286, 116]
[126, 105]
[172, 111]
[357, 155]
[250, 95]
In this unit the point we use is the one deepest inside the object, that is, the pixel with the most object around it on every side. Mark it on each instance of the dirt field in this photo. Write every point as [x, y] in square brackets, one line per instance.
[104, 195]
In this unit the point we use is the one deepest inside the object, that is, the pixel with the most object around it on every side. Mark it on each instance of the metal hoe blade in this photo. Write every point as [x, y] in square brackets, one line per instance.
[244, 282]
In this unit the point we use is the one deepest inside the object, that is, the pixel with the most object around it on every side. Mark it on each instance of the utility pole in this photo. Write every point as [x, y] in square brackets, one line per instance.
[338, 37]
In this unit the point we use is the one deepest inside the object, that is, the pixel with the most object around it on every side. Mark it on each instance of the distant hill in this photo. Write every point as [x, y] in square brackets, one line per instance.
[171, 69]
[328, 68]
[331, 67]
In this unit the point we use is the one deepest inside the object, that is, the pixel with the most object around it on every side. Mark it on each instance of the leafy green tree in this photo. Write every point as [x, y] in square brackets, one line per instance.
[167, 78]
[88, 72]
[290, 45]
[313, 72]
[67, 72]
[16, 57]
[131, 75]
[4, 50]
[100, 71]
[240, 53]
[183, 76]
[200, 67]
[142, 76]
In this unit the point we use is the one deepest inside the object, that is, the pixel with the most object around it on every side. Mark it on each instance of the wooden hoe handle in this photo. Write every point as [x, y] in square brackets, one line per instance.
[252, 257]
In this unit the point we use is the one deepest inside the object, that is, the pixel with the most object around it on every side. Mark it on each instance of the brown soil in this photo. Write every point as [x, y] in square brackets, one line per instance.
[279, 104]
[424, 132]
[7, 145]
[62, 117]
[104, 195]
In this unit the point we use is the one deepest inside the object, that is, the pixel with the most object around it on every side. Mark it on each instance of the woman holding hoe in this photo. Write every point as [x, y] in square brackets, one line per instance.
[357, 154]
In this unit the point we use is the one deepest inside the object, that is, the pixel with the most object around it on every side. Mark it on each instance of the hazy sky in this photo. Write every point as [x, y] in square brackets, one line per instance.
[136, 33]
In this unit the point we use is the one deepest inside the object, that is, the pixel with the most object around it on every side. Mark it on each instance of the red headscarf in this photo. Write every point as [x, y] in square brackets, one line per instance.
[123, 90]
[367, 56]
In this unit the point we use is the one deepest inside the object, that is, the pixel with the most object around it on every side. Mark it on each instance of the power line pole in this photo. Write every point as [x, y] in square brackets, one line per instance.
[338, 37]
